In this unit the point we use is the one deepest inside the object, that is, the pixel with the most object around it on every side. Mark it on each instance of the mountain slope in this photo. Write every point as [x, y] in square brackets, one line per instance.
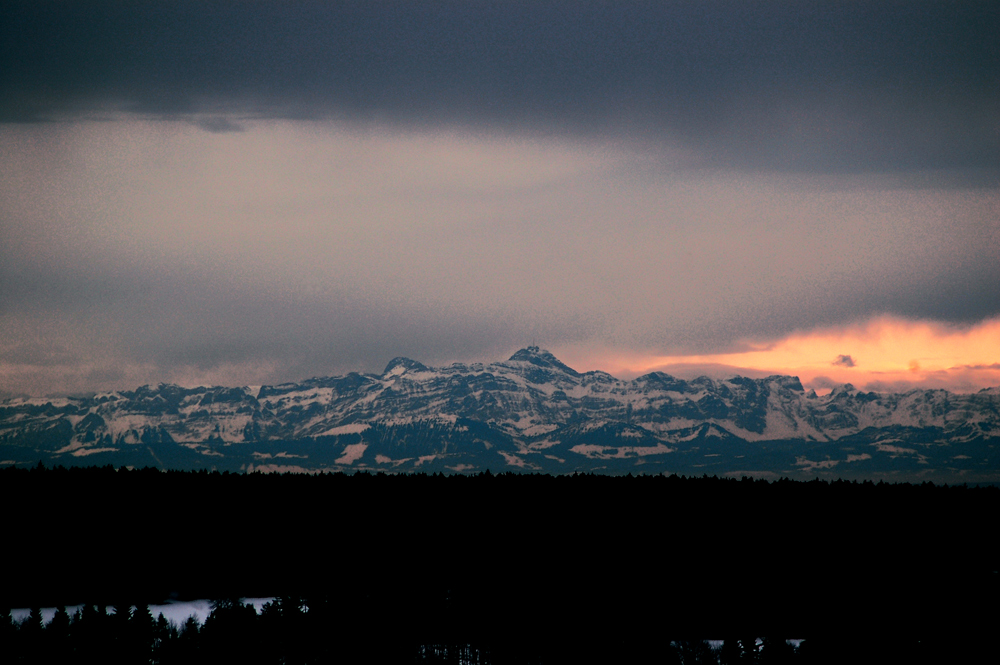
[530, 412]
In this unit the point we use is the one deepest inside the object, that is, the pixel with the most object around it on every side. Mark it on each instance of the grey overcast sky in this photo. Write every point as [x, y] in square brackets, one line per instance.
[254, 192]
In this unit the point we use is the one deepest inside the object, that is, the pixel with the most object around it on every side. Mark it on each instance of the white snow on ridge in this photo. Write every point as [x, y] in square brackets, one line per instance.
[425, 458]
[352, 453]
[515, 406]
[620, 452]
[809, 465]
[281, 468]
[350, 428]
[82, 452]
[543, 444]
[513, 460]
[535, 430]
[898, 450]
[73, 445]
[57, 402]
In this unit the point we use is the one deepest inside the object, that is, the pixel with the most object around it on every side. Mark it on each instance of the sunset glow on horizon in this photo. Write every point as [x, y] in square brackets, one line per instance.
[882, 354]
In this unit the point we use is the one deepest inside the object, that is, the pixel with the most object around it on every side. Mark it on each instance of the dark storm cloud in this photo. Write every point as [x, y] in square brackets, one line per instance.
[812, 86]
[844, 361]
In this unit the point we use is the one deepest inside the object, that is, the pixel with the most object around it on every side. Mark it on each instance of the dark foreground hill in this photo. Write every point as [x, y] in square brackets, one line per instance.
[486, 558]
[530, 413]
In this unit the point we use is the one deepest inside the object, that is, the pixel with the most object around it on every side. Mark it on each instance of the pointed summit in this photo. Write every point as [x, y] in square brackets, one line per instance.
[401, 365]
[542, 358]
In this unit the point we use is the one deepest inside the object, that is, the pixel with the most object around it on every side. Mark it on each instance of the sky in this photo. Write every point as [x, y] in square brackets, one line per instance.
[257, 192]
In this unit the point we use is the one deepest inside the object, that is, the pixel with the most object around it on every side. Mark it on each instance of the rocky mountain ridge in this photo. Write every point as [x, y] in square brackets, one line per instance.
[530, 412]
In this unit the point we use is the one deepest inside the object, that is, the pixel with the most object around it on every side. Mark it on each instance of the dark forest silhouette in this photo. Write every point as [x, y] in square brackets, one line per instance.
[295, 630]
[291, 630]
[495, 568]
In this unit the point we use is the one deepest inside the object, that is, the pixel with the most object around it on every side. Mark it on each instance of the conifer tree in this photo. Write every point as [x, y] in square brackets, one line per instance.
[748, 648]
[776, 652]
[8, 636]
[730, 653]
[57, 636]
[140, 632]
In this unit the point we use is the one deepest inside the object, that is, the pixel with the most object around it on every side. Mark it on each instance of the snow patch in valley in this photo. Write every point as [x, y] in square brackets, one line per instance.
[689, 437]
[384, 459]
[593, 451]
[281, 455]
[350, 428]
[73, 445]
[281, 468]
[444, 418]
[809, 465]
[535, 430]
[82, 452]
[886, 448]
[543, 444]
[513, 460]
[202, 449]
[352, 453]
[672, 425]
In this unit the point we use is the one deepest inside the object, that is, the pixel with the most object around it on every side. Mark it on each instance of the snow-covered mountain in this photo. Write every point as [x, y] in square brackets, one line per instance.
[530, 412]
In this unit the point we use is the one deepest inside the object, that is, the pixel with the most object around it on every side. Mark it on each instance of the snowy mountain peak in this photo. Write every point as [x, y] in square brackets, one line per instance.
[542, 358]
[530, 412]
[787, 382]
[843, 389]
[400, 365]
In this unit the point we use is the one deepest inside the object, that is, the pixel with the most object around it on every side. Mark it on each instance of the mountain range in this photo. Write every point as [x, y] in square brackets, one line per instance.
[530, 413]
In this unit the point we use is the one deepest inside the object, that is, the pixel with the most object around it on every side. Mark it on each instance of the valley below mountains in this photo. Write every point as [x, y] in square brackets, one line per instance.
[530, 413]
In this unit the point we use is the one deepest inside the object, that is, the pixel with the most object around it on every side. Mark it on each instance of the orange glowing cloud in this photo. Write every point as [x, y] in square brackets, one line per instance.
[885, 353]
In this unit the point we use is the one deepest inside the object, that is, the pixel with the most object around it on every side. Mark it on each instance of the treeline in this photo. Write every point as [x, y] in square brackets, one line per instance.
[472, 559]
[293, 631]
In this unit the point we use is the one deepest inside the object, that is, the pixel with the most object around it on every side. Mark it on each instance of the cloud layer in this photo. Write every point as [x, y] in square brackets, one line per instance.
[256, 192]
[805, 86]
